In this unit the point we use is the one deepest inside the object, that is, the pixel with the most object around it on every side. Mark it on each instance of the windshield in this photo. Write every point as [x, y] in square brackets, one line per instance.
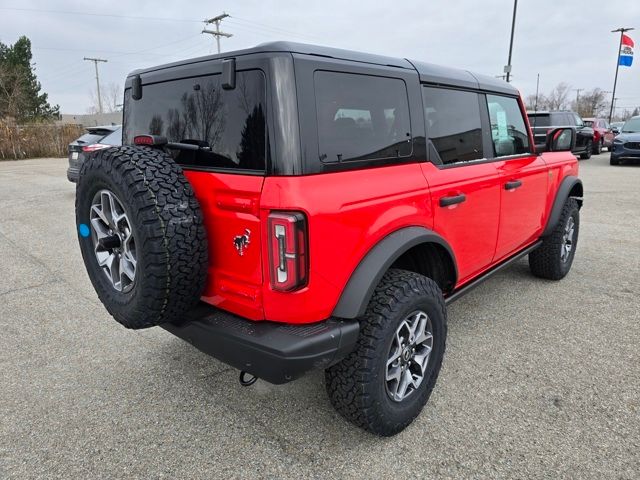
[632, 126]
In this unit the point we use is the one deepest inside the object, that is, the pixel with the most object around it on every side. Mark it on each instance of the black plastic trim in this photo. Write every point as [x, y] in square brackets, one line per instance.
[275, 352]
[566, 185]
[477, 281]
[360, 287]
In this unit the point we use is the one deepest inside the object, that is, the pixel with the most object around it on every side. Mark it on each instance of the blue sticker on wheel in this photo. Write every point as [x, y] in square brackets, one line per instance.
[83, 228]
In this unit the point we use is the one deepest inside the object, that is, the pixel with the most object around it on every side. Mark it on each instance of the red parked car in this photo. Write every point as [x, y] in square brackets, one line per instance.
[292, 207]
[602, 134]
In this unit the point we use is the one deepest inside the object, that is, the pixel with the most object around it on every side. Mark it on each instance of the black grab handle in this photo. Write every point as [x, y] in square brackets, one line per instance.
[447, 201]
[513, 184]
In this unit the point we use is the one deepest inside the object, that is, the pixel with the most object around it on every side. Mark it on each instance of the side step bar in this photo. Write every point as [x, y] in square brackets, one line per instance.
[477, 281]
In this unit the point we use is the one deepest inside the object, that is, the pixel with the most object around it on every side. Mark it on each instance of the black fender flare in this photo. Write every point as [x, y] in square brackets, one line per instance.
[364, 279]
[562, 195]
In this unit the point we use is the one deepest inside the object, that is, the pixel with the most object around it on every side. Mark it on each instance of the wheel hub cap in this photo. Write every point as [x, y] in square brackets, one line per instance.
[113, 241]
[567, 240]
[409, 355]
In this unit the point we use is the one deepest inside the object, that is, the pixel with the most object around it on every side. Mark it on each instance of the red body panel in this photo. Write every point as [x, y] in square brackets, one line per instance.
[231, 205]
[470, 227]
[349, 212]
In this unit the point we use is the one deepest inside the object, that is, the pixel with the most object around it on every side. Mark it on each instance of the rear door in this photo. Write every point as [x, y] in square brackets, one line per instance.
[464, 184]
[523, 176]
[227, 172]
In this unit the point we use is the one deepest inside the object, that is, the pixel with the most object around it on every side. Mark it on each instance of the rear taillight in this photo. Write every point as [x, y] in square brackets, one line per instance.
[288, 250]
[95, 147]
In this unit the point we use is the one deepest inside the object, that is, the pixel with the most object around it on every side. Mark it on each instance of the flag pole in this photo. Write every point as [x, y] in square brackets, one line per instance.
[615, 81]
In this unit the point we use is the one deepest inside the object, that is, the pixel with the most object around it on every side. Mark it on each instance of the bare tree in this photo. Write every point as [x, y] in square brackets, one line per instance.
[540, 103]
[592, 103]
[111, 99]
[558, 98]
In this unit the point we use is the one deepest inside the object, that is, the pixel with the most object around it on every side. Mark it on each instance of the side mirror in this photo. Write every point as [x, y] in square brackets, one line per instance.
[561, 140]
[615, 130]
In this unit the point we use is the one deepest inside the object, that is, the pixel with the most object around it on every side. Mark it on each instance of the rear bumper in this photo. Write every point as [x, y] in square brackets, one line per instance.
[275, 352]
[72, 174]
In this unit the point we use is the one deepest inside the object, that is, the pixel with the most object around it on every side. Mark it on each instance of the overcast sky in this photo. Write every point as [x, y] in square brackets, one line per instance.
[566, 40]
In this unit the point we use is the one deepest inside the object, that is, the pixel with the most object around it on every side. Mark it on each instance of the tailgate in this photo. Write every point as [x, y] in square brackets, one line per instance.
[230, 205]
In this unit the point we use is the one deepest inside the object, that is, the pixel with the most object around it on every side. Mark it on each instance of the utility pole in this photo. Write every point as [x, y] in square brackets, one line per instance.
[507, 68]
[578, 90]
[535, 108]
[95, 63]
[217, 33]
[615, 81]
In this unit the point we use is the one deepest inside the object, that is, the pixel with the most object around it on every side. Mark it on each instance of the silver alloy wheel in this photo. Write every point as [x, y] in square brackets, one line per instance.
[409, 355]
[567, 240]
[113, 241]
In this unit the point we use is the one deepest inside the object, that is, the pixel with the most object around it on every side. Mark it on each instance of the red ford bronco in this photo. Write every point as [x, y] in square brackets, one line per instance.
[292, 207]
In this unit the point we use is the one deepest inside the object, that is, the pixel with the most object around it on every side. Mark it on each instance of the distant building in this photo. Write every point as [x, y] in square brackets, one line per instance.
[91, 120]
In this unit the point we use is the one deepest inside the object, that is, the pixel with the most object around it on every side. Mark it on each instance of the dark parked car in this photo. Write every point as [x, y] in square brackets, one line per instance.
[95, 139]
[602, 136]
[627, 144]
[616, 127]
[542, 122]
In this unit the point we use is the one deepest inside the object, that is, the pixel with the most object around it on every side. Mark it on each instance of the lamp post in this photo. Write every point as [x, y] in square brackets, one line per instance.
[507, 68]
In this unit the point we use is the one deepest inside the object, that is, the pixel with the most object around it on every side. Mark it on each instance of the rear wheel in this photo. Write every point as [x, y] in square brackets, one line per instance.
[386, 381]
[553, 259]
[588, 149]
[599, 147]
[141, 235]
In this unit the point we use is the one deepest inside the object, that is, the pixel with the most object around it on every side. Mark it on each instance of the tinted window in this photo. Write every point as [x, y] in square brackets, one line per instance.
[90, 138]
[229, 125]
[114, 138]
[539, 120]
[361, 117]
[453, 124]
[508, 130]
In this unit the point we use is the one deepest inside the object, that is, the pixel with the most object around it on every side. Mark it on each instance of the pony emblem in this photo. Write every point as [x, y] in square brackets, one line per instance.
[241, 242]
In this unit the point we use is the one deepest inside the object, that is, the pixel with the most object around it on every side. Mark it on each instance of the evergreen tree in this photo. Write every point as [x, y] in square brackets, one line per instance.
[20, 91]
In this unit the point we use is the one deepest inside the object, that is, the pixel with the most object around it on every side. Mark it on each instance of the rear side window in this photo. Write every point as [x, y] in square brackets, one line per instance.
[114, 138]
[361, 117]
[539, 120]
[228, 125]
[453, 124]
[508, 130]
[90, 138]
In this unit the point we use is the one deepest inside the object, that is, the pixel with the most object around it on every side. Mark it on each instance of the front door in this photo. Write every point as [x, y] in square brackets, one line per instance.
[523, 176]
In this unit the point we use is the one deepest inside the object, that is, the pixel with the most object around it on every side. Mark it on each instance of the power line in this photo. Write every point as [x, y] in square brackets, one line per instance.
[66, 12]
[217, 33]
[95, 62]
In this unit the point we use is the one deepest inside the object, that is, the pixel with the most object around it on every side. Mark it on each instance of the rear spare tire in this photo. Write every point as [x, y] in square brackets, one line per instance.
[141, 235]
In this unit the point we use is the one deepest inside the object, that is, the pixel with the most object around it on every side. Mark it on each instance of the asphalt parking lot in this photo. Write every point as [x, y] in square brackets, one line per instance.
[540, 379]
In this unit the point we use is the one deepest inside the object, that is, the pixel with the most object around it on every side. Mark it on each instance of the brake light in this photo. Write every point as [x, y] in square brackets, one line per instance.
[95, 147]
[288, 250]
[150, 140]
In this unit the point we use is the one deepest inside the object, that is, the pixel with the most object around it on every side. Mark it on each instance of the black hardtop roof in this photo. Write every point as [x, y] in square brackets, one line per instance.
[428, 72]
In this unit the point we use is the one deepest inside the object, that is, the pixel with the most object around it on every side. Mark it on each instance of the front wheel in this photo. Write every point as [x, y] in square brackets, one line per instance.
[553, 259]
[385, 382]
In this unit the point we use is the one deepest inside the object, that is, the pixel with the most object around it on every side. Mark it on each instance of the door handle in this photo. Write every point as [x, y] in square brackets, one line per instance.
[448, 201]
[513, 184]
